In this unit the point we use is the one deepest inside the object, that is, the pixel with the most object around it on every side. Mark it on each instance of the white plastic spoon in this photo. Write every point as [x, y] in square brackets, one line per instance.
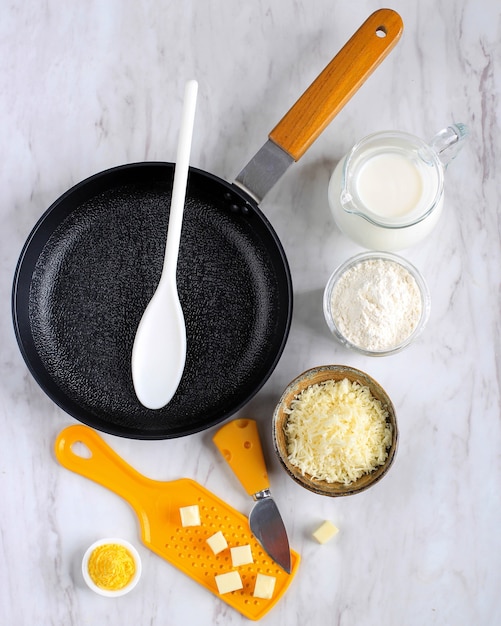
[159, 351]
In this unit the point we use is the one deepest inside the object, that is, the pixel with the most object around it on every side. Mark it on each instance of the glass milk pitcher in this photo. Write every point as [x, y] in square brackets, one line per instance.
[387, 193]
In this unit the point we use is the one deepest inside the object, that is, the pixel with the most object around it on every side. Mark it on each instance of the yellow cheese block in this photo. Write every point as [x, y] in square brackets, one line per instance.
[228, 582]
[217, 542]
[265, 586]
[190, 515]
[325, 532]
[241, 555]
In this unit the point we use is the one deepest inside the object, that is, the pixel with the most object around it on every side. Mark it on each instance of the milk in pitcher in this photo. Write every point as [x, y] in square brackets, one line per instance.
[387, 192]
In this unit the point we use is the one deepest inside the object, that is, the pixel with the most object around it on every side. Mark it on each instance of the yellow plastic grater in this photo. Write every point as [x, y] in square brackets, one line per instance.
[157, 506]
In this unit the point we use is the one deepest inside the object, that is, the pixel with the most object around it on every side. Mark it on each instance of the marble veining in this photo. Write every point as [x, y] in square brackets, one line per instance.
[88, 86]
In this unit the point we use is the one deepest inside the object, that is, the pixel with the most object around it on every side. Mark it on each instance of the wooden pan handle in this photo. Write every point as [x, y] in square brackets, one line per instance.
[347, 71]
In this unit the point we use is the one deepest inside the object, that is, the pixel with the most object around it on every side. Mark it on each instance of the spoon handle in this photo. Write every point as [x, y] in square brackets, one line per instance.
[180, 179]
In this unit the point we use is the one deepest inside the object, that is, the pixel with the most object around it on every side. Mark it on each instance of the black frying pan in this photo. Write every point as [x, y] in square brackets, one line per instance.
[92, 262]
[89, 269]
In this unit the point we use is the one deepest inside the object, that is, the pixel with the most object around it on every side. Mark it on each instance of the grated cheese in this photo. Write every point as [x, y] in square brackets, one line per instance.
[337, 431]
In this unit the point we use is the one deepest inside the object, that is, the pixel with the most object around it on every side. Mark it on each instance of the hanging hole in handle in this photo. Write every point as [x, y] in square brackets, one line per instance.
[81, 450]
[381, 32]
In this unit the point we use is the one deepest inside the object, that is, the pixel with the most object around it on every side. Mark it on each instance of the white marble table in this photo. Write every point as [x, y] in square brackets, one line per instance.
[89, 85]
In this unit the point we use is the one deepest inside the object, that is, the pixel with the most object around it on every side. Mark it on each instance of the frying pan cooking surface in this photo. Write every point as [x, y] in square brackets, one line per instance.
[89, 269]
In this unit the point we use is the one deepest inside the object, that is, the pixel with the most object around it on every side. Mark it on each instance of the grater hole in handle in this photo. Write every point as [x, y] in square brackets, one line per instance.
[81, 450]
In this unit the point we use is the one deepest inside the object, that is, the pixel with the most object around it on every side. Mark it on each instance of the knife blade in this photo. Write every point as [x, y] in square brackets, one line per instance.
[321, 102]
[240, 445]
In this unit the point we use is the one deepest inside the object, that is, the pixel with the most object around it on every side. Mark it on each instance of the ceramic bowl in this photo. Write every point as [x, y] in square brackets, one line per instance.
[106, 592]
[380, 312]
[280, 417]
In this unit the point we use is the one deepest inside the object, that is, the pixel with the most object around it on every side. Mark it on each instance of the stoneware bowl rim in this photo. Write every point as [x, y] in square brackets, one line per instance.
[317, 375]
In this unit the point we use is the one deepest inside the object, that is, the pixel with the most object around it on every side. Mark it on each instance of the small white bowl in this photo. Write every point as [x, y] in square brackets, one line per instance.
[107, 592]
[385, 257]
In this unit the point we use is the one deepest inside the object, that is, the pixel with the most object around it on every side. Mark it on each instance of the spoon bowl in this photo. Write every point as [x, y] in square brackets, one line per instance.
[159, 352]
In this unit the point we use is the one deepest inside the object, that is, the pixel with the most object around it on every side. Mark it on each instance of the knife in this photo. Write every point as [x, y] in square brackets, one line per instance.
[321, 102]
[240, 445]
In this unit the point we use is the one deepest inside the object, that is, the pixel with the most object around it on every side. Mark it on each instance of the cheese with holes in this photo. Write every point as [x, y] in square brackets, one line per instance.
[337, 431]
[217, 542]
[325, 532]
[264, 587]
[228, 582]
[190, 515]
[241, 555]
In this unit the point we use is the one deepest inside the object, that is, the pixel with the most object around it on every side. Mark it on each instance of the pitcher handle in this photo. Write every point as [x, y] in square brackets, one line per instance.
[448, 142]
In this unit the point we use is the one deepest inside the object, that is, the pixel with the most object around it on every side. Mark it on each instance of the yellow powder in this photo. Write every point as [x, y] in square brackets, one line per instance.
[111, 566]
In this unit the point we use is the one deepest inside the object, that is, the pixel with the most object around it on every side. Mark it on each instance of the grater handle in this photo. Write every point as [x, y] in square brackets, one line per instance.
[81, 450]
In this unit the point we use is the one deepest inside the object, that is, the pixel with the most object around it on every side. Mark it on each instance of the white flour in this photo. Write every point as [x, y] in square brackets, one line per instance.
[376, 304]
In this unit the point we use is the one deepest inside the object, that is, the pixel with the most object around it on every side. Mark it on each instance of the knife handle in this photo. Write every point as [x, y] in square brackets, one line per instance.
[347, 71]
[240, 445]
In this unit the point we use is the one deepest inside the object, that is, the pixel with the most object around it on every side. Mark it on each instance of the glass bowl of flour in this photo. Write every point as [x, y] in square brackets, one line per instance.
[376, 303]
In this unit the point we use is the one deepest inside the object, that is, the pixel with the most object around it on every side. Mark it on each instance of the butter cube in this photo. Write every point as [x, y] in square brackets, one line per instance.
[228, 582]
[190, 515]
[217, 542]
[265, 586]
[325, 532]
[241, 555]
